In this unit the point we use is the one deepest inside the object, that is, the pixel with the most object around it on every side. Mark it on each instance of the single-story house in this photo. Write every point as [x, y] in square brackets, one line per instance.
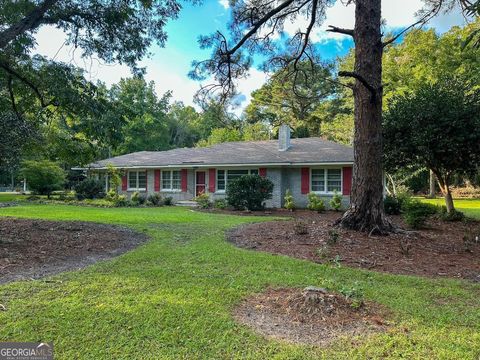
[301, 165]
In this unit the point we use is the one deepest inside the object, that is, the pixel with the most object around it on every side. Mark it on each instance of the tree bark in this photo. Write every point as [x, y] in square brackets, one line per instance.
[443, 183]
[431, 193]
[366, 212]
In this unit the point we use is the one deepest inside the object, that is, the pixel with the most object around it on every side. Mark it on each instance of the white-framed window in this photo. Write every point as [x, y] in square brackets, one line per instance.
[326, 181]
[137, 180]
[171, 180]
[224, 176]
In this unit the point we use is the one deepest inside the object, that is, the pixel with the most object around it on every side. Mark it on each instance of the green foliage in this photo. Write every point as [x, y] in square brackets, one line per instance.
[454, 215]
[249, 192]
[155, 199]
[168, 201]
[439, 126]
[43, 177]
[354, 293]
[416, 213]
[203, 201]
[114, 178]
[336, 202]
[315, 203]
[392, 205]
[220, 204]
[121, 201]
[138, 198]
[289, 200]
[90, 188]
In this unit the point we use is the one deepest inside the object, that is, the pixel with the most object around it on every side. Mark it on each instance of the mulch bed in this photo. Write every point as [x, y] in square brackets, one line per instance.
[31, 249]
[302, 316]
[439, 250]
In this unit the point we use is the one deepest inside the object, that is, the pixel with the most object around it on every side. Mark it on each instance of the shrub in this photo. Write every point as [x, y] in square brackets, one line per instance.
[121, 201]
[43, 177]
[168, 201]
[315, 203]
[353, 293]
[249, 192]
[90, 189]
[454, 215]
[289, 201]
[392, 205]
[416, 213]
[336, 202]
[111, 195]
[203, 201]
[138, 198]
[155, 199]
[220, 204]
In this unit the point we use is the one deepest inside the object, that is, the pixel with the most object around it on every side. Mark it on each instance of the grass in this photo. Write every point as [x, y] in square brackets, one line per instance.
[172, 298]
[10, 196]
[471, 207]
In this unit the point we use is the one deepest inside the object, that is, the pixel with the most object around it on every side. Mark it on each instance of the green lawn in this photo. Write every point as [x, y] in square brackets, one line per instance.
[471, 207]
[171, 298]
[9, 196]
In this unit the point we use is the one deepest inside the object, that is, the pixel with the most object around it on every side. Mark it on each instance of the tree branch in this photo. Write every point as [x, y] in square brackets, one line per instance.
[5, 66]
[335, 29]
[12, 96]
[423, 20]
[257, 26]
[360, 78]
[31, 21]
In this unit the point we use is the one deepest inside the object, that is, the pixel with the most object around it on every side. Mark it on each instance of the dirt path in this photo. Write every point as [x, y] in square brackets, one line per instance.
[32, 249]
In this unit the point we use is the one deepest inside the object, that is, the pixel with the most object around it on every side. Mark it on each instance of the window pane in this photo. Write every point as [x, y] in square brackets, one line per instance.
[334, 180]
[176, 182]
[166, 179]
[220, 179]
[254, 172]
[318, 180]
[142, 180]
[132, 179]
[233, 174]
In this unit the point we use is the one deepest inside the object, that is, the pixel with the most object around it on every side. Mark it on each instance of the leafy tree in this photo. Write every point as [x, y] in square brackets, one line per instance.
[221, 135]
[440, 129]
[43, 177]
[249, 192]
[144, 116]
[293, 101]
[182, 122]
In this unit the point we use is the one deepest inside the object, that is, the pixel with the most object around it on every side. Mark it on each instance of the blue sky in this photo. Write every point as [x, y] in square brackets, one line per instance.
[168, 67]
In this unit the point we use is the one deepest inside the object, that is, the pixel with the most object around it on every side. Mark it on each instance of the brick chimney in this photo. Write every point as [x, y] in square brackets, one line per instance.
[283, 138]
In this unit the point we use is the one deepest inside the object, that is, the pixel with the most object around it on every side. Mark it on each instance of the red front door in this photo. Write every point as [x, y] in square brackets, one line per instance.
[200, 185]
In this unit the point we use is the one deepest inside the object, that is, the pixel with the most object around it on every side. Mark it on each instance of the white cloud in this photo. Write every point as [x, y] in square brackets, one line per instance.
[224, 3]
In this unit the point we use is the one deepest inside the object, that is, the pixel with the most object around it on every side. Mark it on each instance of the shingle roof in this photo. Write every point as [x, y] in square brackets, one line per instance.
[301, 151]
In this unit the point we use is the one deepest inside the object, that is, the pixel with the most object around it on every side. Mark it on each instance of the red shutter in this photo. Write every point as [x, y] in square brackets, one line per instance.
[157, 181]
[146, 180]
[211, 180]
[262, 172]
[184, 179]
[347, 180]
[124, 182]
[305, 180]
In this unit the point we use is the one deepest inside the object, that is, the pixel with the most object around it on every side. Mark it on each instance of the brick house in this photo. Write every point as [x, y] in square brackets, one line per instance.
[301, 165]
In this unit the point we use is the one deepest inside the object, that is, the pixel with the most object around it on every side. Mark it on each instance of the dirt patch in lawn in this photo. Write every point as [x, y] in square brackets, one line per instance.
[31, 249]
[439, 250]
[310, 316]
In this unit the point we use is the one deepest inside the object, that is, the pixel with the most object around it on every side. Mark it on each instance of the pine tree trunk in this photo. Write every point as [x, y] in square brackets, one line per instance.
[366, 212]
